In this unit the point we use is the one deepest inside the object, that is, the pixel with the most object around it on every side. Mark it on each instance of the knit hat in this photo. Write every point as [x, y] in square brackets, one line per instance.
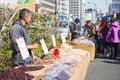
[77, 20]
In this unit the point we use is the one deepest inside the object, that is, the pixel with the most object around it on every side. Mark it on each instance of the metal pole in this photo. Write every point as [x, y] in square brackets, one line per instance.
[81, 12]
[56, 13]
[3, 12]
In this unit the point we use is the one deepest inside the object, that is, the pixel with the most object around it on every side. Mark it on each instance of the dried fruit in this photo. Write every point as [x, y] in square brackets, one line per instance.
[19, 73]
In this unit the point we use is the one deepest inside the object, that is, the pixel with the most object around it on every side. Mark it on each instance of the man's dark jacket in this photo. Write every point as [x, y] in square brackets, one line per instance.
[17, 31]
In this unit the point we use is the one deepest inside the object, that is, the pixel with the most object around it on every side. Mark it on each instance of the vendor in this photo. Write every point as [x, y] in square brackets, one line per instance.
[75, 29]
[17, 31]
[89, 28]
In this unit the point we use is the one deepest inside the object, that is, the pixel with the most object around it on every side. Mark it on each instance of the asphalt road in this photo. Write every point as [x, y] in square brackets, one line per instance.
[104, 69]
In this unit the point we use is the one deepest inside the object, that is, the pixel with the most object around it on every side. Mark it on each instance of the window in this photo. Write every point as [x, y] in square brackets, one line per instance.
[51, 1]
[48, 6]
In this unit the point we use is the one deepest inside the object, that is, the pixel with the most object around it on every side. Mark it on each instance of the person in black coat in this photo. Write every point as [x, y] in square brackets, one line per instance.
[75, 29]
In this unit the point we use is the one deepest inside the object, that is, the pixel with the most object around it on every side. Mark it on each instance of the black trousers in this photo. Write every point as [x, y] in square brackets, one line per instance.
[114, 50]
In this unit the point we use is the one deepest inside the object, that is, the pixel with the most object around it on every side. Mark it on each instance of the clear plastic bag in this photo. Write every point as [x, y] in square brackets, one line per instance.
[57, 73]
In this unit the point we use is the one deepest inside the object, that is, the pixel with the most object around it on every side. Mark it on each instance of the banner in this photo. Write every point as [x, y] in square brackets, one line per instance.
[115, 6]
[28, 4]
[25, 2]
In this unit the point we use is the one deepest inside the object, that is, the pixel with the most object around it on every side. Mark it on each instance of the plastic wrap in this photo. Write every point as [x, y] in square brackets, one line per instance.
[64, 69]
[62, 72]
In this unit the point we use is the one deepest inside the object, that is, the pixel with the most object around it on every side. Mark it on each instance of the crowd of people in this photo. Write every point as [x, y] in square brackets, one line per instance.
[106, 33]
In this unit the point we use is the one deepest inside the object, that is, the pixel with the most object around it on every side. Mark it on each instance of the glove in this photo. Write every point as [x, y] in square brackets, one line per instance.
[27, 61]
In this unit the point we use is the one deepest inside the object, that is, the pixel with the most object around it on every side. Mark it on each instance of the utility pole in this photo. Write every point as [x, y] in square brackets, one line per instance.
[81, 12]
[56, 13]
[3, 10]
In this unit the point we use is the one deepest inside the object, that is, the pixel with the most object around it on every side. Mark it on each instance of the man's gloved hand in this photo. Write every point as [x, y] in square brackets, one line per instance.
[27, 61]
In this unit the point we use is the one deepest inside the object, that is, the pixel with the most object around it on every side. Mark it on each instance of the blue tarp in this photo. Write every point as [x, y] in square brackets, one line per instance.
[109, 16]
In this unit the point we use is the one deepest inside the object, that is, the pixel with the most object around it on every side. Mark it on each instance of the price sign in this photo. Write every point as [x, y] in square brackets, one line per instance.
[63, 38]
[53, 40]
[23, 48]
[45, 49]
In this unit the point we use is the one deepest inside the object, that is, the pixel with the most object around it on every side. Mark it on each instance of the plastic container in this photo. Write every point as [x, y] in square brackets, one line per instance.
[56, 52]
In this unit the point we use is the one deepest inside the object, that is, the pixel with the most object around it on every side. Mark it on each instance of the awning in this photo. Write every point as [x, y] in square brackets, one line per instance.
[108, 16]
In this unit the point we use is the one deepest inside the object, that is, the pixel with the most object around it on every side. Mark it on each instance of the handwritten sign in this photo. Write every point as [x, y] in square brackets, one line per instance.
[53, 40]
[45, 49]
[63, 38]
[23, 48]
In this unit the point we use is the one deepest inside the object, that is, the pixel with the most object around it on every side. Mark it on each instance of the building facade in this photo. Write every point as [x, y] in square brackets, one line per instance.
[91, 12]
[48, 6]
[64, 9]
[76, 8]
[8, 3]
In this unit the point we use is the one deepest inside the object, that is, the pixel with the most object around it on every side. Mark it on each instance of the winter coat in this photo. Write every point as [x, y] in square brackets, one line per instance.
[102, 29]
[75, 27]
[17, 31]
[113, 34]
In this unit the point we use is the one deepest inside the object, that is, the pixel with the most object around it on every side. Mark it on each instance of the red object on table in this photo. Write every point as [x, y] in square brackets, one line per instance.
[56, 51]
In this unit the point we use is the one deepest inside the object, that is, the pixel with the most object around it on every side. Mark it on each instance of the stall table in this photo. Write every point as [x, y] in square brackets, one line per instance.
[89, 47]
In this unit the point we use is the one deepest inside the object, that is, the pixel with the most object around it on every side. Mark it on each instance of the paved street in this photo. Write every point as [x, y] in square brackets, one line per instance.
[104, 69]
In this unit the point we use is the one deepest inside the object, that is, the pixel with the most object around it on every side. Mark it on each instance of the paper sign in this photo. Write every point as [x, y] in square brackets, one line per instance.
[23, 48]
[63, 38]
[45, 49]
[53, 40]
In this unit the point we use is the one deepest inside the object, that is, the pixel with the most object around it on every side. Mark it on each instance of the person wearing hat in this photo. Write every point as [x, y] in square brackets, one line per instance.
[75, 29]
